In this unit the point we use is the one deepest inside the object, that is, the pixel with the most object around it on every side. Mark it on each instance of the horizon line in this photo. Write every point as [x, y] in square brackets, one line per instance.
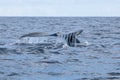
[55, 16]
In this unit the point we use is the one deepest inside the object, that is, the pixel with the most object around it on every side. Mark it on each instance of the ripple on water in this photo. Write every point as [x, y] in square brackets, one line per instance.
[13, 74]
[114, 73]
[50, 62]
[3, 51]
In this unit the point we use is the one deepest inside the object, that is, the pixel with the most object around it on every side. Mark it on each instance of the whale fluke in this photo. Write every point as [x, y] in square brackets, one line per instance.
[70, 38]
[77, 32]
[35, 34]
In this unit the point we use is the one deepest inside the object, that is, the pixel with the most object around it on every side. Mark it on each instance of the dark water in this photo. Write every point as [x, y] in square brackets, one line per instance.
[98, 61]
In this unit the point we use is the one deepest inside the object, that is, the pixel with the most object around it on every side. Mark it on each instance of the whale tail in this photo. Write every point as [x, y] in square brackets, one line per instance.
[77, 32]
[35, 34]
[40, 34]
[70, 38]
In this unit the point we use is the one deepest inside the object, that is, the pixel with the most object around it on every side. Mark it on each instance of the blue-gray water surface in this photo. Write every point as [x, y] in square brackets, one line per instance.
[98, 61]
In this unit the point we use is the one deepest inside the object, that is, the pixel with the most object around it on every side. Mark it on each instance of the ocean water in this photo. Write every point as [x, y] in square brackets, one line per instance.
[100, 60]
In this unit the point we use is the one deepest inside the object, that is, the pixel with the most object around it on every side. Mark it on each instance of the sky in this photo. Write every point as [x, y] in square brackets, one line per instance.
[59, 7]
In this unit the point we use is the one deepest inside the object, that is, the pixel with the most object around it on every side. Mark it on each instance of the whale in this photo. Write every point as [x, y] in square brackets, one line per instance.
[70, 38]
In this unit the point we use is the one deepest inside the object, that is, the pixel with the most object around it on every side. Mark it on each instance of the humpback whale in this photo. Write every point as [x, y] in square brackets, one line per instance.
[70, 38]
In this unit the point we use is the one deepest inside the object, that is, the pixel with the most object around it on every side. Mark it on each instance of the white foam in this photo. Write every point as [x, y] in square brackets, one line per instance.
[36, 40]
